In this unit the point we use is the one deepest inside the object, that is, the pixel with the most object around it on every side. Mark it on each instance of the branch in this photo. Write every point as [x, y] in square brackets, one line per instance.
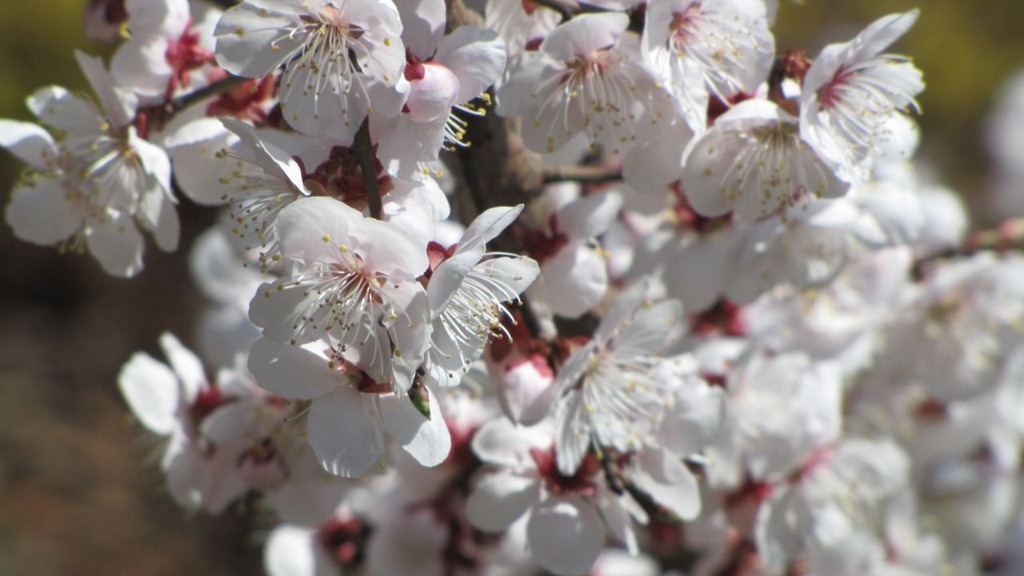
[175, 105]
[581, 174]
[1007, 236]
[363, 149]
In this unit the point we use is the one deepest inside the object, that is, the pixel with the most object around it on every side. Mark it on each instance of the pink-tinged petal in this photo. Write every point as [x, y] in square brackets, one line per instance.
[151, 391]
[344, 431]
[245, 36]
[388, 250]
[428, 441]
[117, 245]
[118, 103]
[186, 365]
[292, 371]
[422, 26]
[486, 227]
[590, 215]
[663, 476]
[476, 56]
[499, 499]
[40, 213]
[432, 96]
[66, 111]
[585, 34]
[29, 142]
[565, 535]
[317, 229]
[526, 391]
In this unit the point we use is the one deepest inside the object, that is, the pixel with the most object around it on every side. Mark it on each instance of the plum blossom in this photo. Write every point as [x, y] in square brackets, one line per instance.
[850, 92]
[561, 233]
[567, 517]
[444, 74]
[710, 47]
[352, 280]
[752, 161]
[612, 391]
[587, 77]
[348, 414]
[340, 59]
[176, 402]
[520, 24]
[164, 48]
[467, 291]
[837, 493]
[95, 180]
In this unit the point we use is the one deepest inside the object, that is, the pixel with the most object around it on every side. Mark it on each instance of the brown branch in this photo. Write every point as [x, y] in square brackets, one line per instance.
[178, 104]
[363, 149]
[1007, 236]
[581, 174]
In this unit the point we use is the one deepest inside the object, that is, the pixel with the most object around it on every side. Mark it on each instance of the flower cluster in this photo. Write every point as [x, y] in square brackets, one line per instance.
[728, 326]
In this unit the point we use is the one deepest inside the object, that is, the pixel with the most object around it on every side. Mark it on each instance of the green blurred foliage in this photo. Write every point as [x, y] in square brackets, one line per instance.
[966, 50]
[37, 43]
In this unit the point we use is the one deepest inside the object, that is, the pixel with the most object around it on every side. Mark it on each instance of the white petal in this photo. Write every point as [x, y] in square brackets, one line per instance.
[62, 110]
[486, 227]
[29, 142]
[152, 392]
[118, 104]
[499, 499]
[117, 245]
[663, 476]
[294, 551]
[344, 431]
[565, 535]
[428, 441]
[39, 212]
[315, 228]
[572, 282]
[186, 365]
[476, 56]
[292, 371]
[244, 36]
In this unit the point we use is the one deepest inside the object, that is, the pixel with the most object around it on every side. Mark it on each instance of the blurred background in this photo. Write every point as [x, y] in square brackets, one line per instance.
[79, 489]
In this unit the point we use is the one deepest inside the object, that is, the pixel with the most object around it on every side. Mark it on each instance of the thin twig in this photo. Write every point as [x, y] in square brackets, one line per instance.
[1007, 236]
[178, 104]
[363, 149]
